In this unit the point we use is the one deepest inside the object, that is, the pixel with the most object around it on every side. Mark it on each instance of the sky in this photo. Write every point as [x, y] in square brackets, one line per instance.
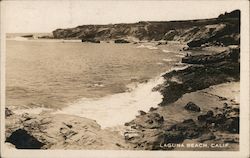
[46, 16]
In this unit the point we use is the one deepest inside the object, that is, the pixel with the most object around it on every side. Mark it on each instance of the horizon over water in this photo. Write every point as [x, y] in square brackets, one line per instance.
[96, 81]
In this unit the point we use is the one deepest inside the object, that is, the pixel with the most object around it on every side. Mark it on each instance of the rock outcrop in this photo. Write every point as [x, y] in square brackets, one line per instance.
[205, 71]
[57, 131]
[222, 30]
[157, 135]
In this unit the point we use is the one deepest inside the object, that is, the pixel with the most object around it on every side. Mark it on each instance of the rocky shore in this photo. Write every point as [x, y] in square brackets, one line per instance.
[198, 106]
[58, 131]
[180, 120]
[193, 110]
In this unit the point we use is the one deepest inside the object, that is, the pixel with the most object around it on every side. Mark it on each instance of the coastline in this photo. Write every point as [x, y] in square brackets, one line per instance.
[197, 105]
[131, 136]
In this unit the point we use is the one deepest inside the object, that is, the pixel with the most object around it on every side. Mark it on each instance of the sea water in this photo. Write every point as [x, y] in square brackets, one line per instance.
[106, 82]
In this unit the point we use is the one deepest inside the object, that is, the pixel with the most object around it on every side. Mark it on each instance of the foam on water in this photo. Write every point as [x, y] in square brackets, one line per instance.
[147, 46]
[18, 38]
[166, 51]
[36, 110]
[119, 108]
[167, 60]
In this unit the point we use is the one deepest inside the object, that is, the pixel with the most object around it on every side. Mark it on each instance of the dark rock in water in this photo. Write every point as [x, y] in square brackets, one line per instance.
[8, 112]
[22, 140]
[196, 43]
[152, 109]
[91, 40]
[121, 41]
[27, 36]
[142, 112]
[192, 107]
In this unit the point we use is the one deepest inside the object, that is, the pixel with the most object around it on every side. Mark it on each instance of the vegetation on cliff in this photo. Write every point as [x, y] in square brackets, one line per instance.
[222, 30]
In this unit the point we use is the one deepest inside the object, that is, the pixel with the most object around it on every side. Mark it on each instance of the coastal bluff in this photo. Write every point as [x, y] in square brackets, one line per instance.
[223, 30]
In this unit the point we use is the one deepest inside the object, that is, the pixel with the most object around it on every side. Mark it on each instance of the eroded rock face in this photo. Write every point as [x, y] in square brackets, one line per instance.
[57, 131]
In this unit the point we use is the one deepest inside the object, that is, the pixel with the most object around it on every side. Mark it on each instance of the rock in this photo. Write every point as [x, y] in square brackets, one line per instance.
[170, 35]
[196, 43]
[219, 119]
[189, 129]
[59, 131]
[173, 137]
[91, 40]
[152, 109]
[8, 112]
[232, 125]
[190, 106]
[210, 113]
[206, 137]
[205, 71]
[121, 41]
[185, 48]
[142, 112]
[203, 118]
[22, 140]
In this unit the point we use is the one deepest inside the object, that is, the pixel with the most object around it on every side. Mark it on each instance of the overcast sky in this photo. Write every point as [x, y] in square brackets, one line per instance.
[46, 16]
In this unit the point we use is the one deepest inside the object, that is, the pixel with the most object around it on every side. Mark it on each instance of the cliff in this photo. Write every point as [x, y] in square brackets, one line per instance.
[222, 30]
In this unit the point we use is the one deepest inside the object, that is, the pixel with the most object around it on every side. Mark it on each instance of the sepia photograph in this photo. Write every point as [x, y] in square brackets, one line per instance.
[124, 78]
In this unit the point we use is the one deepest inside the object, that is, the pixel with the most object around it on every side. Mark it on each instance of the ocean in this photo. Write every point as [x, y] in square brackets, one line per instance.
[106, 82]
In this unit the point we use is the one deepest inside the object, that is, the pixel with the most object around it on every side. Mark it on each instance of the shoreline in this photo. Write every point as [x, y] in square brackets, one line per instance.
[131, 132]
[126, 97]
[193, 120]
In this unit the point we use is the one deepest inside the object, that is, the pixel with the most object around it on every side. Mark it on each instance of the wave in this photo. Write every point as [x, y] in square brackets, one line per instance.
[18, 38]
[167, 60]
[119, 108]
[35, 110]
[166, 51]
[147, 46]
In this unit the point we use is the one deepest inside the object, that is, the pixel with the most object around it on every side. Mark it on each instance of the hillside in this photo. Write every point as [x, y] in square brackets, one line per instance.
[222, 30]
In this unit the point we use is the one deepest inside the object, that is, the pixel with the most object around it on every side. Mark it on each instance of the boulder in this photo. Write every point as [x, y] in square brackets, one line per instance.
[91, 40]
[121, 41]
[192, 107]
[8, 112]
[142, 112]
